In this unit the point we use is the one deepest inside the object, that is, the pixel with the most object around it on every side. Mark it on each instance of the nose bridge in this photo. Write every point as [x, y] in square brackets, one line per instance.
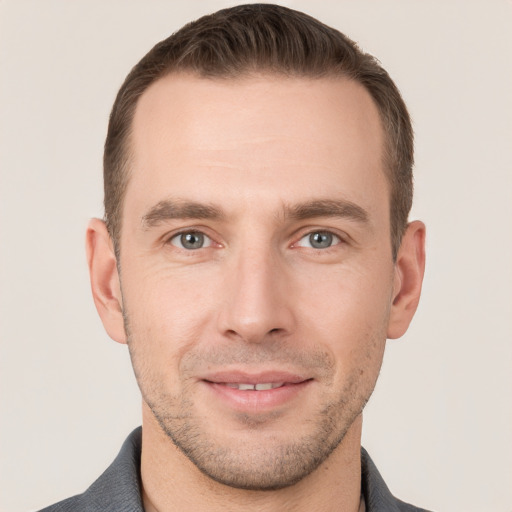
[256, 303]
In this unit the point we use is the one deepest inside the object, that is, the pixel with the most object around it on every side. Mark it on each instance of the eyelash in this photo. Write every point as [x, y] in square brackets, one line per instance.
[335, 240]
[196, 232]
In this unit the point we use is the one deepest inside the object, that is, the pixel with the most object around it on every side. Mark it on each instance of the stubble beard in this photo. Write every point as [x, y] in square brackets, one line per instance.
[272, 462]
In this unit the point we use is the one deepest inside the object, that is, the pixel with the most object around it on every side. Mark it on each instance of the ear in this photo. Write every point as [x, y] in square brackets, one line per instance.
[105, 284]
[409, 270]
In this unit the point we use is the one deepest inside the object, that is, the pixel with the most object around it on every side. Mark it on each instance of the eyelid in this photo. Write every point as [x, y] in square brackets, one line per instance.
[207, 240]
[306, 232]
[170, 236]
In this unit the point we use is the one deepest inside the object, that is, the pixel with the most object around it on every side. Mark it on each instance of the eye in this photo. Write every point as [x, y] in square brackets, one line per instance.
[191, 240]
[319, 240]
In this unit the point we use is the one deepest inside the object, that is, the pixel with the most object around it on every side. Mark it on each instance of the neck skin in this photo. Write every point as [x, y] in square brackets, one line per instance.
[172, 483]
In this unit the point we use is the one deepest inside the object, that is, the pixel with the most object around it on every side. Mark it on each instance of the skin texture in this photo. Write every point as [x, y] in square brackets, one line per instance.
[250, 169]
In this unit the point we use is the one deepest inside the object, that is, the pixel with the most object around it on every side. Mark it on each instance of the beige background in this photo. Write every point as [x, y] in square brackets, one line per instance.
[440, 422]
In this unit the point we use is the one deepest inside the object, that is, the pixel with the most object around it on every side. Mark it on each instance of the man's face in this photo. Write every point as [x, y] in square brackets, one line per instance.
[256, 269]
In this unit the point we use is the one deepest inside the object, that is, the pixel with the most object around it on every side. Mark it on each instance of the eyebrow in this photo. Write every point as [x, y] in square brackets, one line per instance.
[328, 208]
[179, 209]
[168, 209]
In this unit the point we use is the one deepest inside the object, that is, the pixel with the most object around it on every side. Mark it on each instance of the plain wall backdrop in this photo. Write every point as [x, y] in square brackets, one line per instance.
[440, 422]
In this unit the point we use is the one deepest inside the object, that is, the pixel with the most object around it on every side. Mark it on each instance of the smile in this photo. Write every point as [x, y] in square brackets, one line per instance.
[254, 387]
[255, 393]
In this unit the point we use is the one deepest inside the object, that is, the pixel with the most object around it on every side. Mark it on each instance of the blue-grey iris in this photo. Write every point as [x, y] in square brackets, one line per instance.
[192, 240]
[320, 240]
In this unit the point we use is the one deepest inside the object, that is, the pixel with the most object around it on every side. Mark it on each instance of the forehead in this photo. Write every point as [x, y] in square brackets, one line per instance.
[256, 135]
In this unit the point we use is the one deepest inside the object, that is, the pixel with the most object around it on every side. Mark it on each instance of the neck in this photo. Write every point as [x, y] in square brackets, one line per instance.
[172, 483]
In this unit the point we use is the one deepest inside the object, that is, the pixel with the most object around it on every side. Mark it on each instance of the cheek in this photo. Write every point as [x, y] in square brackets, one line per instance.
[167, 311]
[349, 313]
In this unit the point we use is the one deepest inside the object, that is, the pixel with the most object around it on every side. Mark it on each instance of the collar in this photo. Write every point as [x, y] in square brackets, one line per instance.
[119, 487]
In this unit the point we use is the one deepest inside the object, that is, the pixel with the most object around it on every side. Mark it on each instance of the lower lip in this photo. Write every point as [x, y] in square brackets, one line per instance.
[258, 401]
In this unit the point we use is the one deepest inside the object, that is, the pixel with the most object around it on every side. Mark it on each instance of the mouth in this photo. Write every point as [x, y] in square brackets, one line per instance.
[255, 387]
[256, 393]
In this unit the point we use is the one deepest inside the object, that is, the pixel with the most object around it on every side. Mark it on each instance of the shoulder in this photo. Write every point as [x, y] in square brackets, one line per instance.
[407, 507]
[377, 496]
[116, 490]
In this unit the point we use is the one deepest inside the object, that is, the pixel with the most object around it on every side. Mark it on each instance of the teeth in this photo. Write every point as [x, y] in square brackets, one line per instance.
[255, 387]
[270, 385]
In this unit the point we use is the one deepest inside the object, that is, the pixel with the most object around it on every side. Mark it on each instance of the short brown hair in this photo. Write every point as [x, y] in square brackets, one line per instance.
[262, 38]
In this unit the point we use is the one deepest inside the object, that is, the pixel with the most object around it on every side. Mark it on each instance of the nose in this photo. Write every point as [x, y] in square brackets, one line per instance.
[258, 297]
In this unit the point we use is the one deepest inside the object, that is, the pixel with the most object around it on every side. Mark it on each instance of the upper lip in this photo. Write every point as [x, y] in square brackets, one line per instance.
[239, 377]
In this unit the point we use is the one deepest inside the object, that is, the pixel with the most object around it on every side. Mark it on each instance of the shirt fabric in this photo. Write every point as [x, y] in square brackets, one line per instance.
[118, 489]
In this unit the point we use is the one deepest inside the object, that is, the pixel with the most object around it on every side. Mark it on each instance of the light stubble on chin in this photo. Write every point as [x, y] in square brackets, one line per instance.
[271, 462]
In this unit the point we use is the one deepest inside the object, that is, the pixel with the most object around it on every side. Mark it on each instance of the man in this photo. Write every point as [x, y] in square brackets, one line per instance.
[255, 255]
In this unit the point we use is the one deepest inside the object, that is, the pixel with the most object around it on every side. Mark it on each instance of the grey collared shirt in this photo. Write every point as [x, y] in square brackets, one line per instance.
[118, 489]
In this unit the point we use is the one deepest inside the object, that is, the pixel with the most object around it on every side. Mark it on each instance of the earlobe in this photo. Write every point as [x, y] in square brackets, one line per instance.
[408, 279]
[104, 277]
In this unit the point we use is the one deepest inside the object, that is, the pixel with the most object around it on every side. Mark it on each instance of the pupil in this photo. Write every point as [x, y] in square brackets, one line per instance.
[320, 240]
[192, 240]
